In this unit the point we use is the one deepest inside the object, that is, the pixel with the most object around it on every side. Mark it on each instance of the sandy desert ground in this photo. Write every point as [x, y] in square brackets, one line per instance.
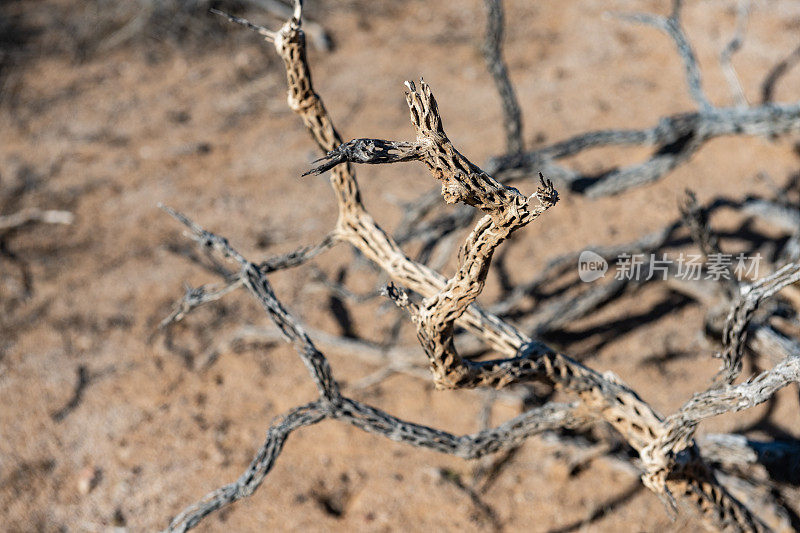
[200, 123]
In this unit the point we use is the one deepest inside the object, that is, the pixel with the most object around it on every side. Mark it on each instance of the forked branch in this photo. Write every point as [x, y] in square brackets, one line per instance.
[672, 26]
[675, 468]
[331, 404]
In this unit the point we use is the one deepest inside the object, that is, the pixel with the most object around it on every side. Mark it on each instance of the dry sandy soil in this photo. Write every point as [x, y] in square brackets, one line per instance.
[204, 128]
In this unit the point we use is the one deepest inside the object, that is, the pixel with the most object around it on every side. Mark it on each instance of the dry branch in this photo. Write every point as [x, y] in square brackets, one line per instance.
[32, 215]
[493, 54]
[674, 467]
[332, 404]
[676, 138]
[741, 314]
[780, 460]
[733, 46]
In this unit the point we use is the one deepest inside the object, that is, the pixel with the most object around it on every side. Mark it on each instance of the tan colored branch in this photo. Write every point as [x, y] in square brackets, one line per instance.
[355, 224]
[602, 396]
[616, 403]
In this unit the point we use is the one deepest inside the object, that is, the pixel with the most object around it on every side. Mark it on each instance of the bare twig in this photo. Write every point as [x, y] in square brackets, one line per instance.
[194, 297]
[493, 54]
[261, 30]
[252, 478]
[733, 46]
[82, 381]
[320, 37]
[672, 26]
[32, 215]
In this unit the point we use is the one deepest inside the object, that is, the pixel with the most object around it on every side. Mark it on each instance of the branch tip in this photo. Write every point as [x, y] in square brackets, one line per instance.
[261, 30]
[546, 193]
[297, 15]
[397, 294]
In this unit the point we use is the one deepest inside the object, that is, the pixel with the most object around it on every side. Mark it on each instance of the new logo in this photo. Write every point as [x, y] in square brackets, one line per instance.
[591, 266]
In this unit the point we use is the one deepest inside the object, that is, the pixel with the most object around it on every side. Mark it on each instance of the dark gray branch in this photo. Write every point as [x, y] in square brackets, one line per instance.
[253, 277]
[371, 151]
[741, 314]
[780, 458]
[372, 420]
[260, 466]
[297, 257]
[195, 297]
[733, 46]
[672, 27]
[493, 54]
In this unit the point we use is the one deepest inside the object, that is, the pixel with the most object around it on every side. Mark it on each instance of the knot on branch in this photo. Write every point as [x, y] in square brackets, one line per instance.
[302, 103]
[192, 297]
[290, 33]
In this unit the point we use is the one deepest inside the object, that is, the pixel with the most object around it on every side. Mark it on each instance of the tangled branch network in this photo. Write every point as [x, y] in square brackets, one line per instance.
[673, 464]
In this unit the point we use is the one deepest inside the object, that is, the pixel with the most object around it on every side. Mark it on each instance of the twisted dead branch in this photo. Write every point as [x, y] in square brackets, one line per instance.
[674, 467]
[675, 138]
[332, 404]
